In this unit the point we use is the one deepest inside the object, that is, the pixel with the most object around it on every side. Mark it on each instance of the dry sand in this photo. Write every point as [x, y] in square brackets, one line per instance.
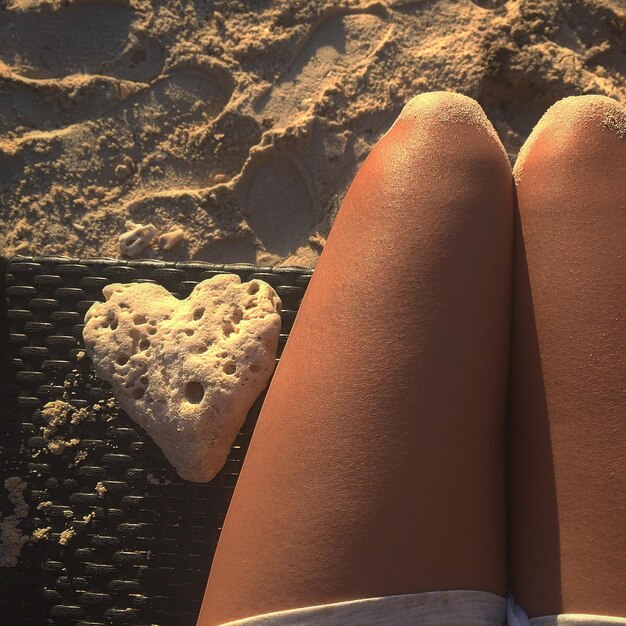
[243, 123]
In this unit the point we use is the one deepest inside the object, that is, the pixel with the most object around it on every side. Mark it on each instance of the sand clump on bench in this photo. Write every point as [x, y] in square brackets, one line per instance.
[187, 371]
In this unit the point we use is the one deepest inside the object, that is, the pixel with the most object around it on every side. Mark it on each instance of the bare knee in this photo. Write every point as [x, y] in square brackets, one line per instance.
[441, 161]
[448, 120]
[576, 127]
[577, 115]
[445, 140]
[445, 106]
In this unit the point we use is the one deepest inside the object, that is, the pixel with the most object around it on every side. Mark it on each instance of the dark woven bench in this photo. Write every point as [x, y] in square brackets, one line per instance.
[145, 554]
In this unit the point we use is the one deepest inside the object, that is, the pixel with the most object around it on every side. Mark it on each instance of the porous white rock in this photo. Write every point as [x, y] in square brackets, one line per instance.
[137, 239]
[187, 371]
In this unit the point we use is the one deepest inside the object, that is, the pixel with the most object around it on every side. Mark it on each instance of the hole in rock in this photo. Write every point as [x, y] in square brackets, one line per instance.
[255, 367]
[194, 392]
[138, 318]
[122, 359]
[114, 323]
[237, 315]
[229, 367]
[189, 332]
[137, 394]
[198, 313]
[228, 328]
[144, 344]
[152, 330]
[253, 288]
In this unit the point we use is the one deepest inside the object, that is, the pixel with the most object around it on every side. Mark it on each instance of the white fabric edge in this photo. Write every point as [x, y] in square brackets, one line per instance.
[576, 619]
[431, 608]
[516, 616]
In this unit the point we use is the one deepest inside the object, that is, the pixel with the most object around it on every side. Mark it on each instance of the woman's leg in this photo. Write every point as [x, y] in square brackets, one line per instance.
[377, 464]
[567, 483]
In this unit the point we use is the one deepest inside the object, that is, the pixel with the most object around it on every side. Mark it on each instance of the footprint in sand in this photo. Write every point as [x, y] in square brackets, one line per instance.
[182, 99]
[279, 207]
[488, 4]
[332, 47]
[134, 148]
[86, 38]
[10, 169]
[229, 251]
[62, 66]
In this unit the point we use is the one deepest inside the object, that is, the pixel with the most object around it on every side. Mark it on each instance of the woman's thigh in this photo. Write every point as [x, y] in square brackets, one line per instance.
[377, 464]
[567, 485]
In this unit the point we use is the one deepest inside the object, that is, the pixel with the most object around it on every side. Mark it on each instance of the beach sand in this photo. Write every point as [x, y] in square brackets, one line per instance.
[243, 123]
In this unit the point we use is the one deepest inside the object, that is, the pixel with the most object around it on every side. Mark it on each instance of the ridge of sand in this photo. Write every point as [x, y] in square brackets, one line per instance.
[245, 126]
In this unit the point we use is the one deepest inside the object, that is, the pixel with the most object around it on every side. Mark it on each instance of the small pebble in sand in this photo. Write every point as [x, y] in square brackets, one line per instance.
[101, 489]
[219, 178]
[66, 536]
[125, 168]
[137, 239]
[80, 355]
[168, 240]
[22, 247]
[123, 91]
[122, 172]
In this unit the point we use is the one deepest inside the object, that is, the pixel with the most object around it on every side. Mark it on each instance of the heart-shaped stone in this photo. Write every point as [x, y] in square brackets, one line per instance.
[187, 371]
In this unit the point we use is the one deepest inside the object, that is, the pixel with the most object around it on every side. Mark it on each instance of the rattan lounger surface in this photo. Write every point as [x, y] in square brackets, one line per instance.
[145, 555]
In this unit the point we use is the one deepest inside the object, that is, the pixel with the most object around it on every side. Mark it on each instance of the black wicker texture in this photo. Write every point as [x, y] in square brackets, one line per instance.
[143, 554]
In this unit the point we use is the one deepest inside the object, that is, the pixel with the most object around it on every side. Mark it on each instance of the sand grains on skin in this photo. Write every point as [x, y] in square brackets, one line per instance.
[448, 108]
[574, 115]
